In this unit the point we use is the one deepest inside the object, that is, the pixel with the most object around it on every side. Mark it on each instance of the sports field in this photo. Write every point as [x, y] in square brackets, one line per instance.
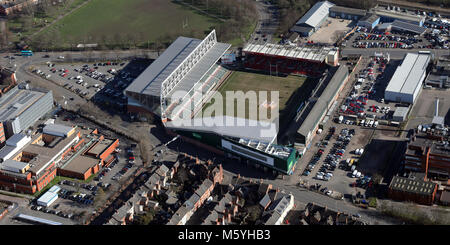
[145, 21]
[247, 81]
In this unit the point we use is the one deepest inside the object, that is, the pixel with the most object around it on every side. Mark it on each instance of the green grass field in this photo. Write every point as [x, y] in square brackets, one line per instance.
[142, 20]
[247, 81]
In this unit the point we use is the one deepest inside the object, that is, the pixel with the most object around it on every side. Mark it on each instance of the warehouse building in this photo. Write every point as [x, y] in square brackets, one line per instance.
[347, 13]
[313, 19]
[320, 107]
[21, 108]
[408, 78]
[49, 196]
[391, 16]
[400, 114]
[399, 25]
[369, 21]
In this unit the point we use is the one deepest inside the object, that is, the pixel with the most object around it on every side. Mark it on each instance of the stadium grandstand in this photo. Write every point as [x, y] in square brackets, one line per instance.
[183, 73]
[279, 59]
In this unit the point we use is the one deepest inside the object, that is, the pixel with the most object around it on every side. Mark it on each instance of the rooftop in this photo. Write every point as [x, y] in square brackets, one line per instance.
[346, 10]
[16, 101]
[304, 53]
[316, 14]
[408, 75]
[397, 15]
[408, 27]
[412, 185]
[151, 80]
[57, 129]
[322, 104]
[45, 154]
[370, 18]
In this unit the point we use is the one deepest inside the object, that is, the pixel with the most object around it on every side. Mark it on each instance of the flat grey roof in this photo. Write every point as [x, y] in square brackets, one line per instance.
[37, 219]
[150, 81]
[16, 101]
[398, 15]
[8, 163]
[408, 27]
[408, 75]
[57, 129]
[401, 112]
[316, 14]
[370, 18]
[324, 101]
[301, 29]
[346, 10]
[230, 126]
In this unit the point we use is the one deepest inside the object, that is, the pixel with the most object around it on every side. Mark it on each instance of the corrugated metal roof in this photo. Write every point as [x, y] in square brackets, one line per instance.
[408, 75]
[398, 15]
[305, 53]
[36, 219]
[316, 14]
[16, 101]
[408, 27]
[353, 11]
[324, 101]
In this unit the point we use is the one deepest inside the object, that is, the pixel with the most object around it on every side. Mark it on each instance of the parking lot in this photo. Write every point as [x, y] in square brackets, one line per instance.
[365, 105]
[84, 79]
[79, 199]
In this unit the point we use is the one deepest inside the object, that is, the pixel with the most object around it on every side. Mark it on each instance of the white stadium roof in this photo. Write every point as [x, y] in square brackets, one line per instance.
[151, 80]
[316, 14]
[305, 53]
[408, 75]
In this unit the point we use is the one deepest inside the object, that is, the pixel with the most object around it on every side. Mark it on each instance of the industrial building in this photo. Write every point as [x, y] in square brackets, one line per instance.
[439, 75]
[428, 153]
[399, 25]
[408, 78]
[412, 189]
[347, 13]
[21, 108]
[49, 196]
[182, 70]
[400, 114]
[29, 163]
[390, 16]
[321, 106]
[313, 19]
[369, 21]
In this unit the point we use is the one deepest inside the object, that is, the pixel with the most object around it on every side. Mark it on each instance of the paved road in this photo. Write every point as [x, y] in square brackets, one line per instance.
[267, 23]
[394, 53]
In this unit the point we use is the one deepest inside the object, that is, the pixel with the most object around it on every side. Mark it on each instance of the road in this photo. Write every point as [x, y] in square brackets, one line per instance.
[394, 53]
[267, 23]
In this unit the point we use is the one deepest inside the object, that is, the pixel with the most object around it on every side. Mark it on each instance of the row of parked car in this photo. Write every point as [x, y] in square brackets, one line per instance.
[383, 37]
[53, 211]
[81, 198]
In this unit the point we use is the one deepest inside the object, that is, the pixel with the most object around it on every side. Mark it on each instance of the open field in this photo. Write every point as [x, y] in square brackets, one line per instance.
[249, 81]
[123, 21]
